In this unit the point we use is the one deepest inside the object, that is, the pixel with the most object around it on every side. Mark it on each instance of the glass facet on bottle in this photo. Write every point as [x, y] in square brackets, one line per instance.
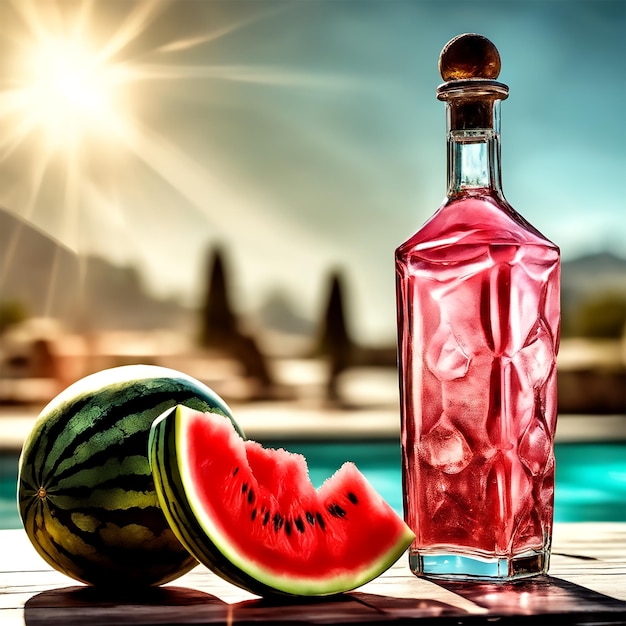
[478, 334]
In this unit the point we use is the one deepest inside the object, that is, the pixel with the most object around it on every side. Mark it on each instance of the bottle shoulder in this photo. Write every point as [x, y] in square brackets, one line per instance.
[475, 219]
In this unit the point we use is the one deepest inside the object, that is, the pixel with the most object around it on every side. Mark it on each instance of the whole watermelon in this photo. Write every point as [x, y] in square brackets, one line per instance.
[85, 490]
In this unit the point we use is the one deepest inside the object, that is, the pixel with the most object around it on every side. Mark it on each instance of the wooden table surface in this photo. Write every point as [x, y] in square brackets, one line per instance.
[586, 585]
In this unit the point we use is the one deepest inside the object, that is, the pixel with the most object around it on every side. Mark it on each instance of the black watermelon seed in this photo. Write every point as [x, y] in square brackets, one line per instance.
[278, 522]
[288, 527]
[299, 524]
[320, 520]
[244, 488]
[253, 514]
[235, 472]
[250, 496]
[352, 497]
[266, 518]
[310, 518]
[335, 510]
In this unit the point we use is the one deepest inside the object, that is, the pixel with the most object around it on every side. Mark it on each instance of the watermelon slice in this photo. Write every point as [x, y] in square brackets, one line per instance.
[252, 515]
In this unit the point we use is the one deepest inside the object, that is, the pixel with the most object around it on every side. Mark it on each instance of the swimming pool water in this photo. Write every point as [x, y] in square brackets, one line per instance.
[9, 517]
[590, 477]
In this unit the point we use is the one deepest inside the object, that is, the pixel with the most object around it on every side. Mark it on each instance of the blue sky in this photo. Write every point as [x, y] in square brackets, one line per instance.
[304, 136]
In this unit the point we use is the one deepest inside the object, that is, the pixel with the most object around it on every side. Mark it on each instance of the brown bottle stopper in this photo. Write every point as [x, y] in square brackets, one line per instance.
[469, 56]
[470, 64]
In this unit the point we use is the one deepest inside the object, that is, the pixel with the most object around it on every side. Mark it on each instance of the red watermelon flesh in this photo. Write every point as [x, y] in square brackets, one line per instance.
[252, 515]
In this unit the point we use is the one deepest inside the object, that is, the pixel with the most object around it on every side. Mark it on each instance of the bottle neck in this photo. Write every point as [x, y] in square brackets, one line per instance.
[474, 155]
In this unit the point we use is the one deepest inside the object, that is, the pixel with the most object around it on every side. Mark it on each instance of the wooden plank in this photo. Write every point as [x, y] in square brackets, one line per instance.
[587, 583]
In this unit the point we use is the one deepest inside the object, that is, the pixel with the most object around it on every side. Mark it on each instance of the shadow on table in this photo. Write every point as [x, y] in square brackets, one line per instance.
[346, 608]
[89, 606]
[86, 606]
[564, 602]
[539, 600]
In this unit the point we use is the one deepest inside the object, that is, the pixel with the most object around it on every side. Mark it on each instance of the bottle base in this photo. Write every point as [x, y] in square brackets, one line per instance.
[457, 566]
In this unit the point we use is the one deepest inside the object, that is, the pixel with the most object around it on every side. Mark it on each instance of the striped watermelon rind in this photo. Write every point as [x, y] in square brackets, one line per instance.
[86, 493]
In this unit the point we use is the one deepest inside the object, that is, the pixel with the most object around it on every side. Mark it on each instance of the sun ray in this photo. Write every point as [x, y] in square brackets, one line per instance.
[106, 207]
[71, 200]
[223, 31]
[53, 279]
[133, 26]
[15, 136]
[82, 19]
[35, 179]
[193, 181]
[68, 234]
[40, 166]
[253, 74]
[33, 17]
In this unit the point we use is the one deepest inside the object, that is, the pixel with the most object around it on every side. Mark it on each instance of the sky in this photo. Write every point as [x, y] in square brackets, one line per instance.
[301, 136]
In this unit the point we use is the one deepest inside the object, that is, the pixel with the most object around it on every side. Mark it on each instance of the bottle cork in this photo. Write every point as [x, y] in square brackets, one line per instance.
[470, 64]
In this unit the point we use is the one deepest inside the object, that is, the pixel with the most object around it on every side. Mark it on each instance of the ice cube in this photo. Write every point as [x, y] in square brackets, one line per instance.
[536, 358]
[446, 358]
[445, 448]
[535, 447]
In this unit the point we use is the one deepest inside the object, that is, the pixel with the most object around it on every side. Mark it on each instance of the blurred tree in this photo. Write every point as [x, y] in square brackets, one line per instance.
[601, 317]
[12, 312]
[334, 341]
[218, 317]
[220, 329]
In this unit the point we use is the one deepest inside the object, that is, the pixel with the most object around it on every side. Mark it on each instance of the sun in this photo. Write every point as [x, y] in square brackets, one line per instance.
[69, 93]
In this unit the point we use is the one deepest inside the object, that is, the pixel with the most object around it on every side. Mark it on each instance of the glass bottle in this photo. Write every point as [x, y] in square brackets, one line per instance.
[478, 334]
